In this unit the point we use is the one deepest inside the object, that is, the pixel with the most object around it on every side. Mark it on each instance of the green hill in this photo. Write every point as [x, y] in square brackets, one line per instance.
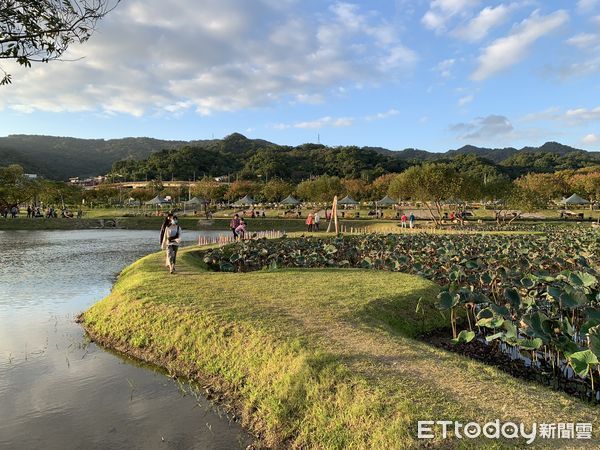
[64, 157]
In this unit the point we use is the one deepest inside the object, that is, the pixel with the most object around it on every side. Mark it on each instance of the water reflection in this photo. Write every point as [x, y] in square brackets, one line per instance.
[58, 391]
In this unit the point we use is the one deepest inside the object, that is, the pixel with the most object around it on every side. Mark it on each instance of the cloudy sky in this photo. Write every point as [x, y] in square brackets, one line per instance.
[431, 74]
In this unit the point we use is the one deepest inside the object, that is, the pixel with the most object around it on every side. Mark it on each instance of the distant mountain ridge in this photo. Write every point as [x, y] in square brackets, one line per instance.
[64, 157]
[498, 155]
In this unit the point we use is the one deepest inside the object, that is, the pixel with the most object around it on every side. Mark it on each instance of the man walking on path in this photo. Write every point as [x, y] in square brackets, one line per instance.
[171, 241]
[411, 220]
[403, 219]
[163, 227]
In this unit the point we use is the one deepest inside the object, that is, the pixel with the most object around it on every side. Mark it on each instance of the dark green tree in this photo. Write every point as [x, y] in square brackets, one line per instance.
[15, 186]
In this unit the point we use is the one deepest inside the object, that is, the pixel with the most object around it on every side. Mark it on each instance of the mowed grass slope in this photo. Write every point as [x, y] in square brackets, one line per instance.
[315, 358]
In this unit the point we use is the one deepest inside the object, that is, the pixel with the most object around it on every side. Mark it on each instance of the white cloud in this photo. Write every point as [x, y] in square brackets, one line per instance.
[507, 51]
[484, 128]
[584, 40]
[590, 139]
[586, 6]
[463, 101]
[574, 117]
[336, 122]
[441, 11]
[312, 99]
[589, 45]
[580, 115]
[382, 115]
[445, 67]
[478, 27]
[551, 113]
[326, 122]
[214, 55]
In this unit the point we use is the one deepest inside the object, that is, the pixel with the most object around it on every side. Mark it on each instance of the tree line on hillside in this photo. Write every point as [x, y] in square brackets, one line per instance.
[433, 184]
[254, 159]
[239, 158]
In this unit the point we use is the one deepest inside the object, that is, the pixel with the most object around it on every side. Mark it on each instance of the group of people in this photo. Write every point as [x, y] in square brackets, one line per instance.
[312, 222]
[253, 214]
[14, 212]
[410, 219]
[238, 226]
[34, 211]
[170, 238]
[460, 216]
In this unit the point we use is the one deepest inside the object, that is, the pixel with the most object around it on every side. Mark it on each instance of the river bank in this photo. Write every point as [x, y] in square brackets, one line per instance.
[315, 358]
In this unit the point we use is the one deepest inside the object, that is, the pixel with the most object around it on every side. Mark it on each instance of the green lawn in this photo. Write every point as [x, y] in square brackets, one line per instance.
[315, 358]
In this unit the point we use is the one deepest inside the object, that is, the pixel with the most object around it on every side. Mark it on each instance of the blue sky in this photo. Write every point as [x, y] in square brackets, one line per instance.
[430, 74]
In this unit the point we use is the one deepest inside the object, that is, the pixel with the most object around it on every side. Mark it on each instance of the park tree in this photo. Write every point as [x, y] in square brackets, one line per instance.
[176, 193]
[52, 192]
[495, 188]
[208, 189]
[358, 189]
[103, 194]
[536, 190]
[276, 190]
[43, 30]
[321, 189]
[380, 185]
[432, 184]
[240, 188]
[141, 194]
[587, 184]
[15, 187]
[156, 186]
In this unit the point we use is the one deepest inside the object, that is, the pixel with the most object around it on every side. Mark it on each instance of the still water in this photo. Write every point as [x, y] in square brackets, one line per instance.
[59, 392]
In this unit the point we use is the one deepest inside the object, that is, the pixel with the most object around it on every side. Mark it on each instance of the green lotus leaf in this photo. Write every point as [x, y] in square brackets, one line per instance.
[587, 280]
[486, 278]
[492, 322]
[530, 344]
[330, 249]
[554, 292]
[568, 301]
[582, 361]
[566, 345]
[513, 297]
[511, 329]
[446, 301]
[500, 310]
[493, 337]
[227, 267]
[485, 313]
[464, 337]
[595, 344]
[528, 282]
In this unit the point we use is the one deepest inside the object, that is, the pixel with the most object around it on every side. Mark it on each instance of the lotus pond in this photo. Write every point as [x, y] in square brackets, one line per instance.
[533, 297]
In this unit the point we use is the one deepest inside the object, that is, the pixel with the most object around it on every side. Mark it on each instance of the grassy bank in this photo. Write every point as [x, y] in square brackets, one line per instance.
[315, 358]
